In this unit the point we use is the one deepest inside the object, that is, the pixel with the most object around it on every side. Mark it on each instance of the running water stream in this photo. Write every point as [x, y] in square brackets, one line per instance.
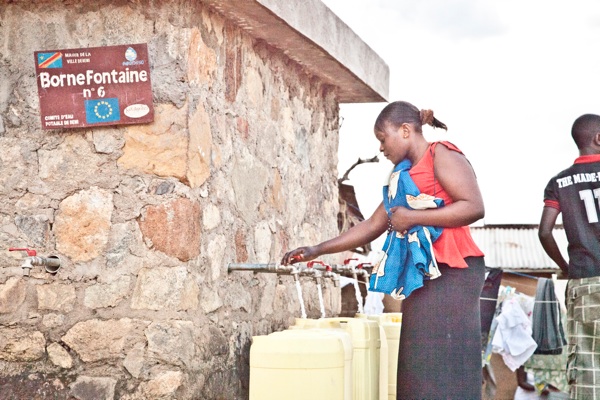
[358, 296]
[321, 303]
[301, 299]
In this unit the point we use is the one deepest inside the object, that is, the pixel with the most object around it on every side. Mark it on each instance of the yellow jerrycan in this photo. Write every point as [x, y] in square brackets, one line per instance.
[383, 357]
[313, 325]
[365, 359]
[391, 323]
[297, 365]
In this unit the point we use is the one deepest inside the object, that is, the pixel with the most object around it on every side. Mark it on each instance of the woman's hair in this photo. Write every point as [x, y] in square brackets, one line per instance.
[584, 129]
[401, 112]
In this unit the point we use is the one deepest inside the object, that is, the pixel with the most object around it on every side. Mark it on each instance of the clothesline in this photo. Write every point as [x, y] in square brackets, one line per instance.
[537, 301]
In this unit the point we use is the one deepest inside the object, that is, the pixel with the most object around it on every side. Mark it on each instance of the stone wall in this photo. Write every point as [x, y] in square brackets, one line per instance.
[238, 166]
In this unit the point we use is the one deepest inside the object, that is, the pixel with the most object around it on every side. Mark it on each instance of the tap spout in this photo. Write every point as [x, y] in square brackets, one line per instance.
[51, 263]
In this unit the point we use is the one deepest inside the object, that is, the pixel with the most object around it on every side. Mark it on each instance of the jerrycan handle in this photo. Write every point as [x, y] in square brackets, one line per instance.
[332, 322]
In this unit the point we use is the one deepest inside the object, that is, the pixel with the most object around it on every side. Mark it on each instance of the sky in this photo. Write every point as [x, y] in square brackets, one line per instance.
[508, 78]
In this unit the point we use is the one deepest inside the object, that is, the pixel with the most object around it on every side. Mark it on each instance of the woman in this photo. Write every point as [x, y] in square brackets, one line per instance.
[440, 342]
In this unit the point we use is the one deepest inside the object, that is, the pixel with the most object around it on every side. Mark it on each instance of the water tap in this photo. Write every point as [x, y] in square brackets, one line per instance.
[315, 272]
[51, 263]
[330, 274]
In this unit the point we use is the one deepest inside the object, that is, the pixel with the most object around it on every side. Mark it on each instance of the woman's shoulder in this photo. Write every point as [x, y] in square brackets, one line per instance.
[445, 145]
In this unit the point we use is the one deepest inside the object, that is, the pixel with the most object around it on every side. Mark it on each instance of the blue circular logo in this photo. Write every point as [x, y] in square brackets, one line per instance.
[130, 54]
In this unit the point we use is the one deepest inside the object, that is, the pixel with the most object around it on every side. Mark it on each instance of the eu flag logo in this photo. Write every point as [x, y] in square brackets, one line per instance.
[102, 110]
[50, 60]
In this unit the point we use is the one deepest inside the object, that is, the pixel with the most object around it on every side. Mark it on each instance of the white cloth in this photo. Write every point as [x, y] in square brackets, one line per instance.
[513, 338]
[374, 303]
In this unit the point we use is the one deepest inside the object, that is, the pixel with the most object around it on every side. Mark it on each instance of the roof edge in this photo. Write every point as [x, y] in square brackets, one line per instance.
[313, 36]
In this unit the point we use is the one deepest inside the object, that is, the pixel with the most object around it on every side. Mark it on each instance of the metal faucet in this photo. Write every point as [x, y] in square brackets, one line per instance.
[330, 274]
[309, 270]
[51, 263]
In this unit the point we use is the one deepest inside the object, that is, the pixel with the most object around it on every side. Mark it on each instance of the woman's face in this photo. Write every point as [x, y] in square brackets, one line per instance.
[391, 142]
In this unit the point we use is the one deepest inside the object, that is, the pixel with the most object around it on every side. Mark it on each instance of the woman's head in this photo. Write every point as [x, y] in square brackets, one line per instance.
[401, 112]
[399, 130]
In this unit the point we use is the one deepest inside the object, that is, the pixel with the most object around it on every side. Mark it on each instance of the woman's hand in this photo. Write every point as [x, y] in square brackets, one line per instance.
[401, 219]
[301, 254]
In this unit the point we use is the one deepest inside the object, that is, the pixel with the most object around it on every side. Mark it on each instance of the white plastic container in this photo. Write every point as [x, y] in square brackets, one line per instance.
[365, 359]
[297, 365]
[391, 323]
[383, 357]
[313, 326]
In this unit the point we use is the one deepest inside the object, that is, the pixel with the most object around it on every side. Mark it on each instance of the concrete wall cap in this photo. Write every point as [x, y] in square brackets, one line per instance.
[312, 35]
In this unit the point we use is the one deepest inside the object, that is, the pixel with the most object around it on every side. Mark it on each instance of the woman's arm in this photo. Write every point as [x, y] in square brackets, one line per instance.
[362, 233]
[455, 174]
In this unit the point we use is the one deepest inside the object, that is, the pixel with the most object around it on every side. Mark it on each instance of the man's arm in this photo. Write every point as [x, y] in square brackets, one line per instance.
[547, 222]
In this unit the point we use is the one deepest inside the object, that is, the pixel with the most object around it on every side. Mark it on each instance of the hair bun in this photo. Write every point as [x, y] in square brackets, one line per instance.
[427, 117]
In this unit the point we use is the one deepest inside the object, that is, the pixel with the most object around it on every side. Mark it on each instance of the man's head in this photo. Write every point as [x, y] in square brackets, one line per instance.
[586, 131]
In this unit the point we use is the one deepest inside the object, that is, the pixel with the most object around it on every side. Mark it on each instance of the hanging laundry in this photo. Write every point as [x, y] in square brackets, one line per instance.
[512, 338]
[547, 327]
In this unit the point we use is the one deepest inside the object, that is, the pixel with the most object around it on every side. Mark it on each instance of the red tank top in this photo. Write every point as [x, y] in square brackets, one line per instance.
[454, 244]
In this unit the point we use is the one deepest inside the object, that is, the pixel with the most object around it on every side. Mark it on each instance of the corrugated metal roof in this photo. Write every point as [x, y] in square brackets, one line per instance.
[517, 247]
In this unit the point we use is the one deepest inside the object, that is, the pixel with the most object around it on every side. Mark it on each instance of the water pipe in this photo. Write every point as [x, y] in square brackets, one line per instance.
[50, 263]
[276, 269]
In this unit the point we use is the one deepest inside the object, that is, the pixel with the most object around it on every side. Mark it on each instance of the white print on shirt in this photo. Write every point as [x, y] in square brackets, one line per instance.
[590, 207]
[578, 178]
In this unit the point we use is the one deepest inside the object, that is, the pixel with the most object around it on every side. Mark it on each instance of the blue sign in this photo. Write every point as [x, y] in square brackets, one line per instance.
[102, 110]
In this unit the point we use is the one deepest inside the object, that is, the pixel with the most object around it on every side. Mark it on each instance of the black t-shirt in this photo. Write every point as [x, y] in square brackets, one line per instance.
[576, 192]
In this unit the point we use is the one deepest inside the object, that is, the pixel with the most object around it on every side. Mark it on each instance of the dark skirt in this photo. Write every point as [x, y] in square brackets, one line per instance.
[440, 340]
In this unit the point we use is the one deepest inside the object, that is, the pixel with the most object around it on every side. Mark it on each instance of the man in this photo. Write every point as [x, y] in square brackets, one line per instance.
[575, 192]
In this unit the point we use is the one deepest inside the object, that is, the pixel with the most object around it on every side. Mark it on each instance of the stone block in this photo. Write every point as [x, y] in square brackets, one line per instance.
[163, 385]
[134, 360]
[83, 223]
[159, 148]
[95, 340]
[190, 295]
[200, 148]
[249, 178]
[159, 288]
[210, 301]
[56, 296]
[97, 388]
[202, 61]
[174, 228]
[35, 227]
[107, 295]
[262, 242]
[12, 295]
[211, 217]
[216, 252]
[172, 342]
[18, 344]
[59, 356]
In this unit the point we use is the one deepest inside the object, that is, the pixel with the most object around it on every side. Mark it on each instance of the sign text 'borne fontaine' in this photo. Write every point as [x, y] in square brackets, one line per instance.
[94, 86]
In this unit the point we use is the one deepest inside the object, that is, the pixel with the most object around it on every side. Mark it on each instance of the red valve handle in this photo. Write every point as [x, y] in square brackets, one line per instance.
[361, 265]
[311, 263]
[347, 260]
[30, 252]
[328, 268]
